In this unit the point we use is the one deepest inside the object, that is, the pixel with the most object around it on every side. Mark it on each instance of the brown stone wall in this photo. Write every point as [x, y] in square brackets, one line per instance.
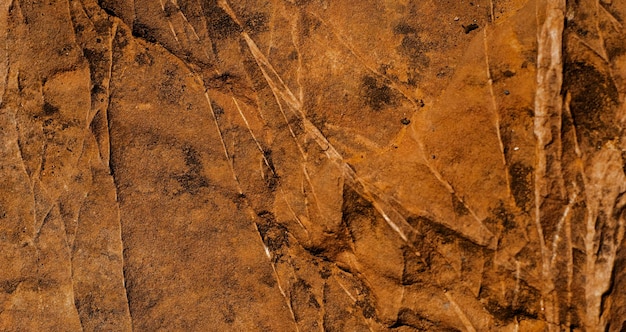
[312, 165]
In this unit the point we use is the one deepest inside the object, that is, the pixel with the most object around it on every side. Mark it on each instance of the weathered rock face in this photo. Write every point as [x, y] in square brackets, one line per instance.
[312, 165]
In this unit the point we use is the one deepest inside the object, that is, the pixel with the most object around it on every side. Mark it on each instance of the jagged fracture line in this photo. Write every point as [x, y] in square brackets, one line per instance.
[276, 93]
[495, 108]
[311, 129]
[267, 163]
[547, 100]
[278, 282]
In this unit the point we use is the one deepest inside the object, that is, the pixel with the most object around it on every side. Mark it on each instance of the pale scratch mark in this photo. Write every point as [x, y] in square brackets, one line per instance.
[354, 300]
[169, 22]
[559, 227]
[459, 312]
[452, 191]
[568, 113]
[5, 61]
[173, 32]
[570, 269]
[107, 154]
[547, 103]
[491, 12]
[612, 18]
[293, 213]
[495, 109]
[308, 179]
[260, 58]
[296, 43]
[256, 141]
[193, 30]
[221, 135]
[345, 289]
[601, 54]
[276, 92]
[358, 137]
[285, 92]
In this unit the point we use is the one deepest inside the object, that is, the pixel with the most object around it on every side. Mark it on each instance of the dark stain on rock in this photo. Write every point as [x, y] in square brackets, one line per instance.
[355, 209]
[413, 48]
[309, 24]
[192, 180]
[220, 24]
[120, 40]
[470, 27]
[172, 88]
[273, 234]
[229, 314]
[415, 266]
[507, 73]
[217, 110]
[144, 59]
[302, 300]
[256, 22]
[504, 216]
[368, 310]
[521, 185]
[409, 318]
[377, 95]
[142, 30]
[403, 29]
[459, 207]
[594, 99]
[526, 306]
[49, 109]
[9, 286]
[97, 60]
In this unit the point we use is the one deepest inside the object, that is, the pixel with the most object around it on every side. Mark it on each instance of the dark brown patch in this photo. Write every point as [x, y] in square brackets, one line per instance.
[220, 24]
[594, 98]
[143, 31]
[459, 207]
[377, 95]
[49, 109]
[521, 185]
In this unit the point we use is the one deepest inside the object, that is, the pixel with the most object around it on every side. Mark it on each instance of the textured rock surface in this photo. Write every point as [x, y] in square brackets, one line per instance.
[274, 165]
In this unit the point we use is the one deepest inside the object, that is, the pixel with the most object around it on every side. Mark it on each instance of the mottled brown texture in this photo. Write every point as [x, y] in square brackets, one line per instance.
[270, 165]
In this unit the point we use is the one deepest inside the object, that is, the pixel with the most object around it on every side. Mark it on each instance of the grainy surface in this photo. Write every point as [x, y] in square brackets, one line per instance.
[312, 165]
